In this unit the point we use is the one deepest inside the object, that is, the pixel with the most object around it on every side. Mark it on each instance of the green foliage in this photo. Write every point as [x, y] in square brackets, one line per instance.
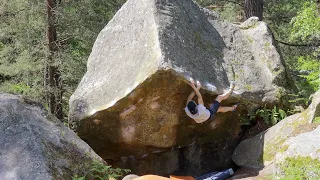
[265, 114]
[22, 47]
[305, 29]
[269, 116]
[299, 99]
[278, 15]
[230, 11]
[316, 120]
[23, 43]
[300, 168]
[76, 177]
[102, 172]
[246, 120]
[20, 88]
[298, 21]
[306, 24]
[308, 68]
[312, 66]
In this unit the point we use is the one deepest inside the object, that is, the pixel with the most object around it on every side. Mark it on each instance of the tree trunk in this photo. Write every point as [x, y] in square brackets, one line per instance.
[52, 81]
[253, 8]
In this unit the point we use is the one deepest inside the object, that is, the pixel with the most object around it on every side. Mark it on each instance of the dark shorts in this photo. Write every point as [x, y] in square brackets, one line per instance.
[214, 108]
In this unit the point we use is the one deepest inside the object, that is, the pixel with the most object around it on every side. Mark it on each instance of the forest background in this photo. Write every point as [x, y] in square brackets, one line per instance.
[44, 45]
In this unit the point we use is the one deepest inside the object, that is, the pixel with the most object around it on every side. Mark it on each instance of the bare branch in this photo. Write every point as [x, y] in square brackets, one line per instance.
[293, 44]
[214, 6]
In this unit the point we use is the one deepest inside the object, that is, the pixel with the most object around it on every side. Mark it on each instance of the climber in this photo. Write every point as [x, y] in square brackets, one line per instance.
[199, 112]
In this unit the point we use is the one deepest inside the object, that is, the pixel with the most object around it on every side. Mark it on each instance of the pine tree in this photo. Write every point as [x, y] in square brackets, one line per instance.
[52, 74]
[253, 8]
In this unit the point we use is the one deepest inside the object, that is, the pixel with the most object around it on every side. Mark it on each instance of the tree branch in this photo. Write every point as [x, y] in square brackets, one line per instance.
[214, 7]
[293, 44]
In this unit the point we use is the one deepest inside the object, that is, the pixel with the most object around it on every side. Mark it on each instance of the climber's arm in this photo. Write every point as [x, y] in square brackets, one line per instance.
[192, 94]
[200, 100]
[195, 91]
[190, 97]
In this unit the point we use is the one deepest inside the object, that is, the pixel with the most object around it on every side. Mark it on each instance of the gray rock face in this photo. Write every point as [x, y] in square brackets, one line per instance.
[35, 145]
[259, 151]
[133, 94]
[305, 144]
[280, 141]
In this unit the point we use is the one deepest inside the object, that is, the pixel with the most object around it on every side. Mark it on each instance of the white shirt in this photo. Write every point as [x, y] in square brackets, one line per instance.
[202, 115]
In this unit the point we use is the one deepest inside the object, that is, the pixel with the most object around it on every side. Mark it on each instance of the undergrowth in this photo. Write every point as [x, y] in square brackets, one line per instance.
[102, 172]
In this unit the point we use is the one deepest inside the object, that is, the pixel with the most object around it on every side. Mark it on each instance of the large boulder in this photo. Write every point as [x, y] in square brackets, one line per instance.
[299, 157]
[129, 104]
[36, 145]
[302, 150]
[293, 137]
[305, 144]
